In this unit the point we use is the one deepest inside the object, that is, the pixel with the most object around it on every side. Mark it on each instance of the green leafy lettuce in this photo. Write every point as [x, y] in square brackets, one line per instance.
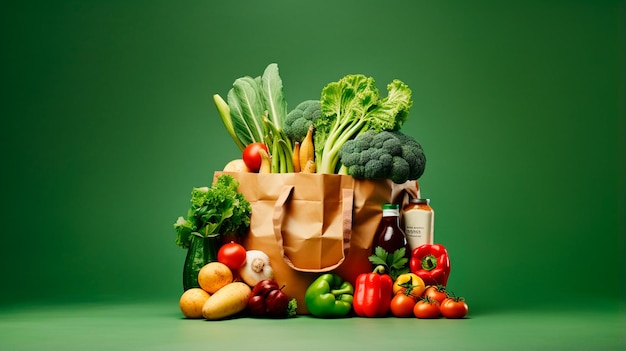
[214, 210]
[351, 106]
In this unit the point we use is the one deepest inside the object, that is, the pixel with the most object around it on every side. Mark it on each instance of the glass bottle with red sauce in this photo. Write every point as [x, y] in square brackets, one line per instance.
[389, 234]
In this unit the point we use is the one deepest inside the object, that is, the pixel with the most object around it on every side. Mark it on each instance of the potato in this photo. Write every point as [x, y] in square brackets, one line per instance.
[227, 301]
[213, 276]
[192, 301]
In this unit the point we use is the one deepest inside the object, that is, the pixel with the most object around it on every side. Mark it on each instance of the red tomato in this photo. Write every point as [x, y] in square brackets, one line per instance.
[232, 255]
[436, 292]
[402, 305]
[454, 307]
[251, 156]
[427, 308]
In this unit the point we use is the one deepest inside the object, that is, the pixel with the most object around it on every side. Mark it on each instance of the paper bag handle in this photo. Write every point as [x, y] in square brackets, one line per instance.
[346, 215]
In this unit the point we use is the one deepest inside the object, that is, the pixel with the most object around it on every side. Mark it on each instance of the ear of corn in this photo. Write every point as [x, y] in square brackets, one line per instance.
[309, 167]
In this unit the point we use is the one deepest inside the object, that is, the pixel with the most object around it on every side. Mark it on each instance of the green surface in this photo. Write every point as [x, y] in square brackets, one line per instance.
[158, 326]
[107, 123]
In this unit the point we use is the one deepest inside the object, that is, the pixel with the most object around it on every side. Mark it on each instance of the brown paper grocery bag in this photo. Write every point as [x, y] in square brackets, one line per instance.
[313, 223]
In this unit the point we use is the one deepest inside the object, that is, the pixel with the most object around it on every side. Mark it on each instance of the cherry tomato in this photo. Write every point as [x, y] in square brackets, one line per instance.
[427, 308]
[436, 292]
[251, 156]
[454, 307]
[232, 255]
[402, 305]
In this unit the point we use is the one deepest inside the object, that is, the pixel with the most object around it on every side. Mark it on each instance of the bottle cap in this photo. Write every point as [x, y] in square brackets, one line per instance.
[391, 210]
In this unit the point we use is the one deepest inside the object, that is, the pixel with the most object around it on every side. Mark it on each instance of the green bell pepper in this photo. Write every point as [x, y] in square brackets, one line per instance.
[329, 296]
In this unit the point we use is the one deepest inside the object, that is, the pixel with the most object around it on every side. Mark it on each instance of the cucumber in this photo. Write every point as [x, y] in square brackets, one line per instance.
[202, 250]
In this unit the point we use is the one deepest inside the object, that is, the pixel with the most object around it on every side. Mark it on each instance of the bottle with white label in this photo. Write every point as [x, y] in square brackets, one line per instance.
[419, 221]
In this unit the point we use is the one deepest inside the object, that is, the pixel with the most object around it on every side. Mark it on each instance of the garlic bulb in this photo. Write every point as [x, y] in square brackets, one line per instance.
[256, 268]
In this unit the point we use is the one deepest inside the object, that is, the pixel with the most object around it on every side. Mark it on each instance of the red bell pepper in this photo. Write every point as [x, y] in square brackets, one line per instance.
[373, 293]
[431, 263]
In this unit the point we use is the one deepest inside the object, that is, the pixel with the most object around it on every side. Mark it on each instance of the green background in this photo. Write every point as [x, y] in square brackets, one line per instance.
[107, 124]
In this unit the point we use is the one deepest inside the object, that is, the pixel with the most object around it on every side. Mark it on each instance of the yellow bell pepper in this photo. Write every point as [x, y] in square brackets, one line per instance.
[409, 284]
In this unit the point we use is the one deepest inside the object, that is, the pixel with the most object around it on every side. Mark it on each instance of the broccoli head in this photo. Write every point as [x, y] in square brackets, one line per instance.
[379, 155]
[300, 118]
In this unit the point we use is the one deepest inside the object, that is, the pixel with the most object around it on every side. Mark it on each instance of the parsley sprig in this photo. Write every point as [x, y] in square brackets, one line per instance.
[395, 263]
